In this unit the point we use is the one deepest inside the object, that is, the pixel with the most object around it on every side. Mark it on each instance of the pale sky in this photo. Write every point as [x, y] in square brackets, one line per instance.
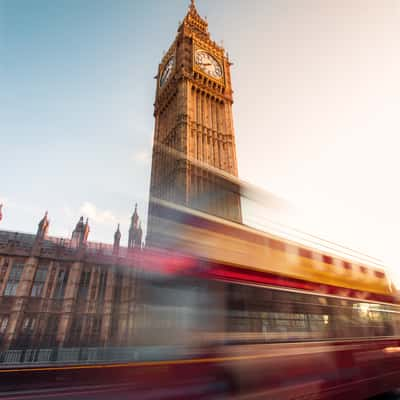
[316, 113]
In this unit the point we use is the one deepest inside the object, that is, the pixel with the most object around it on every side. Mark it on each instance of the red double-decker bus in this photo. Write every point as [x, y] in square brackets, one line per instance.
[228, 311]
[280, 320]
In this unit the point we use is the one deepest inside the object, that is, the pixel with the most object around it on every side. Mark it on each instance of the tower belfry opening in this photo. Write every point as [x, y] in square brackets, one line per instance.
[194, 140]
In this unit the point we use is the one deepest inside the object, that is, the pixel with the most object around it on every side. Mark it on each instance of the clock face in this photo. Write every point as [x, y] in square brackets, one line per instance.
[167, 71]
[208, 64]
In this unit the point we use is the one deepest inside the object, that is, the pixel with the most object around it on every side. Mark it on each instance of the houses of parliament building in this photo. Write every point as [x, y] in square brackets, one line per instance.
[58, 292]
[73, 293]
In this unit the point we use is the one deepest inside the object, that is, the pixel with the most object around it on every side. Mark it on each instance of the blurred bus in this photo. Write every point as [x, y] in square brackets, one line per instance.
[225, 310]
[272, 317]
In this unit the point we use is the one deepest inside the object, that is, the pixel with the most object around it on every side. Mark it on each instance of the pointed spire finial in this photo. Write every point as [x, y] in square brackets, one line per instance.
[43, 226]
[193, 19]
[192, 6]
[117, 239]
[44, 220]
[117, 233]
[135, 213]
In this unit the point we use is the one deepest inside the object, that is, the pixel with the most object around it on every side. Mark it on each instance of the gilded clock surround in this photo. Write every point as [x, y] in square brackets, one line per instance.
[193, 119]
[197, 66]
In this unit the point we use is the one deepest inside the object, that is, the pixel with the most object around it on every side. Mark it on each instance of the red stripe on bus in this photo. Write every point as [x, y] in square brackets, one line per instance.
[235, 274]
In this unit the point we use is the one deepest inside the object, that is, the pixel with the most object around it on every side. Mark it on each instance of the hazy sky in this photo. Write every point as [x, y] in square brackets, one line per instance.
[317, 98]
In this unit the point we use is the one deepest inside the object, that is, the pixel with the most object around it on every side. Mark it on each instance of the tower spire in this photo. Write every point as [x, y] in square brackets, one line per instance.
[43, 227]
[185, 179]
[135, 218]
[134, 230]
[117, 239]
[194, 21]
[80, 233]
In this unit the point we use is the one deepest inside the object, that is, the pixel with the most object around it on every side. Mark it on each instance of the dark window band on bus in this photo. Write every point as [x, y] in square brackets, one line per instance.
[363, 270]
[346, 265]
[256, 314]
[305, 253]
[379, 274]
[327, 259]
[277, 245]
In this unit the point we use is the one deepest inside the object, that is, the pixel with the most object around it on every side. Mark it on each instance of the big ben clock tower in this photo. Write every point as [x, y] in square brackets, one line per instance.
[194, 135]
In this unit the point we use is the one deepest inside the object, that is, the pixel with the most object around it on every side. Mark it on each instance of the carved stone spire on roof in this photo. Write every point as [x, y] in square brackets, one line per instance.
[192, 6]
[79, 226]
[43, 227]
[134, 237]
[194, 21]
[80, 233]
[117, 233]
[86, 229]
[135, 218]
[117, 239]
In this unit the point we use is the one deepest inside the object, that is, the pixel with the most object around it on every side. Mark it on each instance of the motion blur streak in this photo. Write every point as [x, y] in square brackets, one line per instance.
[225, 298]
[392, 350]
[223, 309]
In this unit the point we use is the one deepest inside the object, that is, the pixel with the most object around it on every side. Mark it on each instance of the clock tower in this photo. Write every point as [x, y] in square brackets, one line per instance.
[194, 154]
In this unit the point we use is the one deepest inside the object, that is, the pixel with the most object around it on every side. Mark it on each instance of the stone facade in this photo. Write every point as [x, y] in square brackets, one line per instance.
[57, 292]
[194, 141]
